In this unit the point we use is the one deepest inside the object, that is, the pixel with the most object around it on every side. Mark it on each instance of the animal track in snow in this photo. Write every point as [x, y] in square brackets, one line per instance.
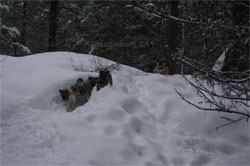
[91, 118]
[110, 130]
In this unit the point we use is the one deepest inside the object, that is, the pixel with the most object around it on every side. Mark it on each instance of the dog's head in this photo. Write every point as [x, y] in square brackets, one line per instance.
[104, 73]
[79, 80]
[163, 63]
[92, 81]
[64, 94]
[74, 88]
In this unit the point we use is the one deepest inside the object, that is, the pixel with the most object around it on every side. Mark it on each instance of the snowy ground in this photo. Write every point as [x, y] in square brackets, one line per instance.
[138, 121]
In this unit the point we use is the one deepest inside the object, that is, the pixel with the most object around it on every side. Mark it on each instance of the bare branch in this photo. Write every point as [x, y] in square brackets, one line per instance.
[98, 64]
[77, 66]
[230, 121]
[218, 76]
[201, 87]
[213, 109]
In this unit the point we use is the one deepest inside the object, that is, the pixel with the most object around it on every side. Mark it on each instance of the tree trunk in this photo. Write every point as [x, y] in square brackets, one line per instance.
[24, 22]
[14, 24]
[173, 36]
[124, 24]
[52, 25]
[182, 36]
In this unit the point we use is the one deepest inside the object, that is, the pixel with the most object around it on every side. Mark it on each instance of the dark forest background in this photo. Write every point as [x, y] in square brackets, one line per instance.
[136, 33]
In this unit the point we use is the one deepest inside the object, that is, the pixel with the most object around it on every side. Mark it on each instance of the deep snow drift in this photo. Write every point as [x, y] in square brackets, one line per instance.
[139, 121]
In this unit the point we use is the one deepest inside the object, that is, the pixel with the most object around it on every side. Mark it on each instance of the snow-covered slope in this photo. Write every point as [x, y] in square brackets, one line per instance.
[138, 121]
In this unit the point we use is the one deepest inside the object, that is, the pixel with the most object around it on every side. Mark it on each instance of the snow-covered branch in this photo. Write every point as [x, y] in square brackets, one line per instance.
[156, 14]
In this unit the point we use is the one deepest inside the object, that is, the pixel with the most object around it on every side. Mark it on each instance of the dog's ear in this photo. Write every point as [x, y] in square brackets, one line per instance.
[60, 90]
[92, 78]
[102, 73]
[105, 71]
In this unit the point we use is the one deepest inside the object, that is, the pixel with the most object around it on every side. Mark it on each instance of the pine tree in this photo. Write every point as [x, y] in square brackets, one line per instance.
[8, 35]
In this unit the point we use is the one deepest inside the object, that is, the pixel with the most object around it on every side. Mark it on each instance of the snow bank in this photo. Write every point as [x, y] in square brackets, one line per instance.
[138, 121]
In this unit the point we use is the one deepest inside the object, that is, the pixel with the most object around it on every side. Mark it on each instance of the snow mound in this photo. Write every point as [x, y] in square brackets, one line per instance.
[140, 120]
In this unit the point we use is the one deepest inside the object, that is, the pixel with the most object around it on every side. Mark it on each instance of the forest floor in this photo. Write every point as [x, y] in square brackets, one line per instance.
[140, 120]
